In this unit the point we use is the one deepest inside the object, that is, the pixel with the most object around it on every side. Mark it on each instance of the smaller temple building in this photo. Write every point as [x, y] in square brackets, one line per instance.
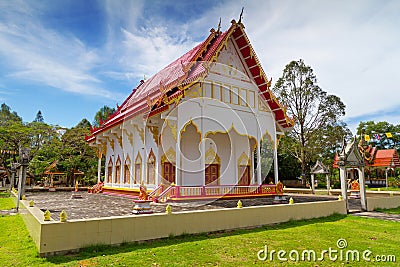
[379, 164]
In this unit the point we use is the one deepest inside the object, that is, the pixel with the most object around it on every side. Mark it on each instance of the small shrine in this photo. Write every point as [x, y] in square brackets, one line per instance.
[320, 168]
[379, 163]
[350, 157]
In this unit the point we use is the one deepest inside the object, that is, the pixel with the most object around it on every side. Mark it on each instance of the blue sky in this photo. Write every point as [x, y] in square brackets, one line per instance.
[69, 58]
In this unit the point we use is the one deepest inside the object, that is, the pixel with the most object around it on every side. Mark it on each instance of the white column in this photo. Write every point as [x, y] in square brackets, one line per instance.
[328, 184]
[276, 160]
[203, 160]
[362, 188]
[386, 176]
[343, 183]
[259, 162]
[312, 183]
[144, 155]
[99, 155]
[178, 158]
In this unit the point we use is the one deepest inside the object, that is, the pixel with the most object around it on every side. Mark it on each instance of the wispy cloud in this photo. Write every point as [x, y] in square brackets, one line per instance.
[142, 45]
[39, 54]
[352, 47]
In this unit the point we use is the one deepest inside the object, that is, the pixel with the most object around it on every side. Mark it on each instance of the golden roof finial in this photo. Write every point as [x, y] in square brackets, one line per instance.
[219, 25]
[240, 17]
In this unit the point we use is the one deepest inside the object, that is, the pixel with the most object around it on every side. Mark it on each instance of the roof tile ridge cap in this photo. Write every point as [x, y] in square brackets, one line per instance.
[225, 36]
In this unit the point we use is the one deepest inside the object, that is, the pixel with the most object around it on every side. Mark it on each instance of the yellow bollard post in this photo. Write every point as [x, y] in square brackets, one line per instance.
[63, 216]
[47, 215]
[168, 209]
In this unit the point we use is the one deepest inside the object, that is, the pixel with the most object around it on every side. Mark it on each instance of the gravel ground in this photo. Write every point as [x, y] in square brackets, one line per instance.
[101, 205]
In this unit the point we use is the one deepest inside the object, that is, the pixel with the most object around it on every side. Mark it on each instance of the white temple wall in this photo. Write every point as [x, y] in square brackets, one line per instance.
[127, 142]
[168, 143]
[138, 149]
[191, 166]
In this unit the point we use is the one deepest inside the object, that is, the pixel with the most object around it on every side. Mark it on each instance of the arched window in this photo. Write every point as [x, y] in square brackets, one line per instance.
[109, 171]
[117, 171]
[127, 170]
[138, 169]
[151, 168]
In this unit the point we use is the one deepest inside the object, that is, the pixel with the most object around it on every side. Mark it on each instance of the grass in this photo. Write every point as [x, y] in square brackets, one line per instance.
[233, 248]
[6, 203]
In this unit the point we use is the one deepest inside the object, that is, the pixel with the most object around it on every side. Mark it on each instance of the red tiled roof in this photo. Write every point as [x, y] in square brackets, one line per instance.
[386, 158]
[380, 158]
[187, 69]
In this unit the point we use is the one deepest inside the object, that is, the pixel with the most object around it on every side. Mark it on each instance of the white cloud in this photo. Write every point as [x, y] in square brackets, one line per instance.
[352, 47]
[39, 54]
[149, 52]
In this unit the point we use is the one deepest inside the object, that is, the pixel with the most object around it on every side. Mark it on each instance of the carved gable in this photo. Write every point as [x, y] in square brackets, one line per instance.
[229, 63]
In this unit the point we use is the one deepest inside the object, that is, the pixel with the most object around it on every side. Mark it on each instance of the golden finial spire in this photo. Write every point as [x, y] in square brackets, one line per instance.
[219, 25]
[240, 17]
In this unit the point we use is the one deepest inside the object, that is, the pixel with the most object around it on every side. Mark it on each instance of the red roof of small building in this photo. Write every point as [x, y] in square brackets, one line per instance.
[388, 158]
[189, 68]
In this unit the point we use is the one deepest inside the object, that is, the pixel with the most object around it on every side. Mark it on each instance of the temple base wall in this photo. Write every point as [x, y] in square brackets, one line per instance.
[54, 237]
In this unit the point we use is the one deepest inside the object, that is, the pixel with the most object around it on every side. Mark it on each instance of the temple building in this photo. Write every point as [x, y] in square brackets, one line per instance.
[379, 164]
[200, 121]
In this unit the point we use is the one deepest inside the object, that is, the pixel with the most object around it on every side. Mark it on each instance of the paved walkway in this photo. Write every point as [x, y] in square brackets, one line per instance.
[101, 205]
[378, 215]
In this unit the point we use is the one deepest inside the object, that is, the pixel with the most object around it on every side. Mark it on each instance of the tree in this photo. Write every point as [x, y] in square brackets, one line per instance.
[84, 123]
[7, 116]
[76, 154]
[312, 109]
[102, 115]
[39, 117]
[377, 133]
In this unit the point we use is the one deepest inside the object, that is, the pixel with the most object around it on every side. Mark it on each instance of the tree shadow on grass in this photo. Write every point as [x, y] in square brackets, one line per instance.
[107, 250]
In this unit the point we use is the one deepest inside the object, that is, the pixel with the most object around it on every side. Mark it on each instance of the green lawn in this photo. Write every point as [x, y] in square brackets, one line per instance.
[6, 203]
[234, 248]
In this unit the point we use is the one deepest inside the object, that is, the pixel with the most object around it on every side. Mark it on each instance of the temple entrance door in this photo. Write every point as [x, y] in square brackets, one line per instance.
[244, 172]
[212, 174]
[169, 172]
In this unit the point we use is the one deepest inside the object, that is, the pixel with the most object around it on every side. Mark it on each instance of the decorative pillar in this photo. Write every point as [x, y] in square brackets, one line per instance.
[99, 156]
[328, 184]
[203, 159]
[312, 183]
[178, 159]
[386, 176]
[259, 163]
[24, 154]
[144, 155]
[343, 183]
[362, 188]
[13, 171]
[276, 160]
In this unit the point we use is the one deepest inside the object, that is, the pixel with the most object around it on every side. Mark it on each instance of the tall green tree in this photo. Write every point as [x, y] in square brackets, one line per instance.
[377, 133]
[39, 117]
[6, 116]
[102, 115]
[76, 154]
[310, 106]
